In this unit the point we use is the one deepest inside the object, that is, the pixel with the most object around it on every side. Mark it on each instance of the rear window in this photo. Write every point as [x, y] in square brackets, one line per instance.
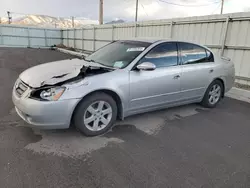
[193, 54]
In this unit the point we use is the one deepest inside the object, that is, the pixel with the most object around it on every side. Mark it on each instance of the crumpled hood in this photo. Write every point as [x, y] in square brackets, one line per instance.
[53, 72]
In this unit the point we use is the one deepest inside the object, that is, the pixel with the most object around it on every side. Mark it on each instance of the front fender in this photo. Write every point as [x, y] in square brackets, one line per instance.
[119, 86]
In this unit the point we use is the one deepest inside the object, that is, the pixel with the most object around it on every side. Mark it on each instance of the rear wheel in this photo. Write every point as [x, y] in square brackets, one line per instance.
[213, 94]
[95, 114]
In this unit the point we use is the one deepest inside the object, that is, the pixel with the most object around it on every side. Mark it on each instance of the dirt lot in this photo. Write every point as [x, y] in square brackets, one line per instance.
[185, 147]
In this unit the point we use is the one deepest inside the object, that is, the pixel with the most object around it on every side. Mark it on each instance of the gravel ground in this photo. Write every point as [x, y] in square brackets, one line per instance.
[188, 146]
[242, 86]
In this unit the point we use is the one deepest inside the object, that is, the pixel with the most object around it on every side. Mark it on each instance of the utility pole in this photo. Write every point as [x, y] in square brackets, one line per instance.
[136, 11]
[73, 21]
[222, 6]
[9, 17]
[101, 12]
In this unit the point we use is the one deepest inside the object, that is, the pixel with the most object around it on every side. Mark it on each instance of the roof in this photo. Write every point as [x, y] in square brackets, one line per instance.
[148, 39]
[155, 39]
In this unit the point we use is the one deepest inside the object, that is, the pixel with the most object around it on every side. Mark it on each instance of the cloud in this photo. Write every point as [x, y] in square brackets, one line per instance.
[149, 10]
[122, 9]
[237, 6]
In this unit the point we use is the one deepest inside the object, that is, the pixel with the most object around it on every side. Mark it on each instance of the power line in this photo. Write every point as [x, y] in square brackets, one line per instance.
[183, 5]
[27, 14]
[216, 9]
[78, 17]
[143, 9]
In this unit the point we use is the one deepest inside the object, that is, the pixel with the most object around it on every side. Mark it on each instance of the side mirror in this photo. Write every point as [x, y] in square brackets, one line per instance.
[147, 66]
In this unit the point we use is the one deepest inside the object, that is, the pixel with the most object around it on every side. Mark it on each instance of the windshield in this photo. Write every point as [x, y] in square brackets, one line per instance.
[118, 54]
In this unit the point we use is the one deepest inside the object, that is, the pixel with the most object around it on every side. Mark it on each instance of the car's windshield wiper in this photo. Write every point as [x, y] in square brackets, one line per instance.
[91, 60]
[103, 64]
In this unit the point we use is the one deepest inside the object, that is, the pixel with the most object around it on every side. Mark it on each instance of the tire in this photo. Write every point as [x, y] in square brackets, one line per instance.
[89, 112]
[206, 101]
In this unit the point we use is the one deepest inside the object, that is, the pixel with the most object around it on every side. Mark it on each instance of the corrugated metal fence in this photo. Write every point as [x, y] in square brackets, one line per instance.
[19, 36]
[226, 34]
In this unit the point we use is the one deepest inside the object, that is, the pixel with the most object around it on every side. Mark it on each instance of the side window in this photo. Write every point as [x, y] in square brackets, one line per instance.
[192, 54]
[163, 55]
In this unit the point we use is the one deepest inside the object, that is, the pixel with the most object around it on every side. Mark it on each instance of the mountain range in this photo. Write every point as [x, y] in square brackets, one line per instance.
[116, 21]
[49, 21]
[53, 22]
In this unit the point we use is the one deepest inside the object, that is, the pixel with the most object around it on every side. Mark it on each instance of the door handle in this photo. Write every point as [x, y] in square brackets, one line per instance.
[177, 77]
[211, 70]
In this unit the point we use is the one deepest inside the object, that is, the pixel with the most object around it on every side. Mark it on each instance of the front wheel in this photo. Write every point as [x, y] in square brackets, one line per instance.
[213, 94]
[95, 114]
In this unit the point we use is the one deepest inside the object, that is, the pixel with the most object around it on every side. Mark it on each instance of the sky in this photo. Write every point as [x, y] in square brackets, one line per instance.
[121, 9]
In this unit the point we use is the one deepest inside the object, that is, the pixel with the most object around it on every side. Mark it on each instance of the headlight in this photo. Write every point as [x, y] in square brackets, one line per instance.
[52, 94]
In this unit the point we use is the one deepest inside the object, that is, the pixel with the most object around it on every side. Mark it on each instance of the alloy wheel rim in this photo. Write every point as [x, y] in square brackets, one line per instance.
[214, 94]
[97, 116]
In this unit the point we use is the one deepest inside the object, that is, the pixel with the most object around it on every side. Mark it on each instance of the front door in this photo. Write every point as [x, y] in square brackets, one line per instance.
[197, 67]
[153, 89]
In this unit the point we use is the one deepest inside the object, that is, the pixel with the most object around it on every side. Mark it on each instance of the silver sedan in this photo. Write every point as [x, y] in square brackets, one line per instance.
[121, 79]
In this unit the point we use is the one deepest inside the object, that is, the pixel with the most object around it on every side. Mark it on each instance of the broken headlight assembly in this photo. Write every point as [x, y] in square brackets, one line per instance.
[48, 94]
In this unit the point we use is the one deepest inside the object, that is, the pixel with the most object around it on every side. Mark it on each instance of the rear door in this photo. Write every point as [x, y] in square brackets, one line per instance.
[197, 67]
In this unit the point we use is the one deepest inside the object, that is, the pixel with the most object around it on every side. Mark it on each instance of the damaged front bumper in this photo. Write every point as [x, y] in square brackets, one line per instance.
[44, 114]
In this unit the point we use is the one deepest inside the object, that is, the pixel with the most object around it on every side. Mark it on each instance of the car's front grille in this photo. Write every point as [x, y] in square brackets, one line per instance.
[20, 88]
